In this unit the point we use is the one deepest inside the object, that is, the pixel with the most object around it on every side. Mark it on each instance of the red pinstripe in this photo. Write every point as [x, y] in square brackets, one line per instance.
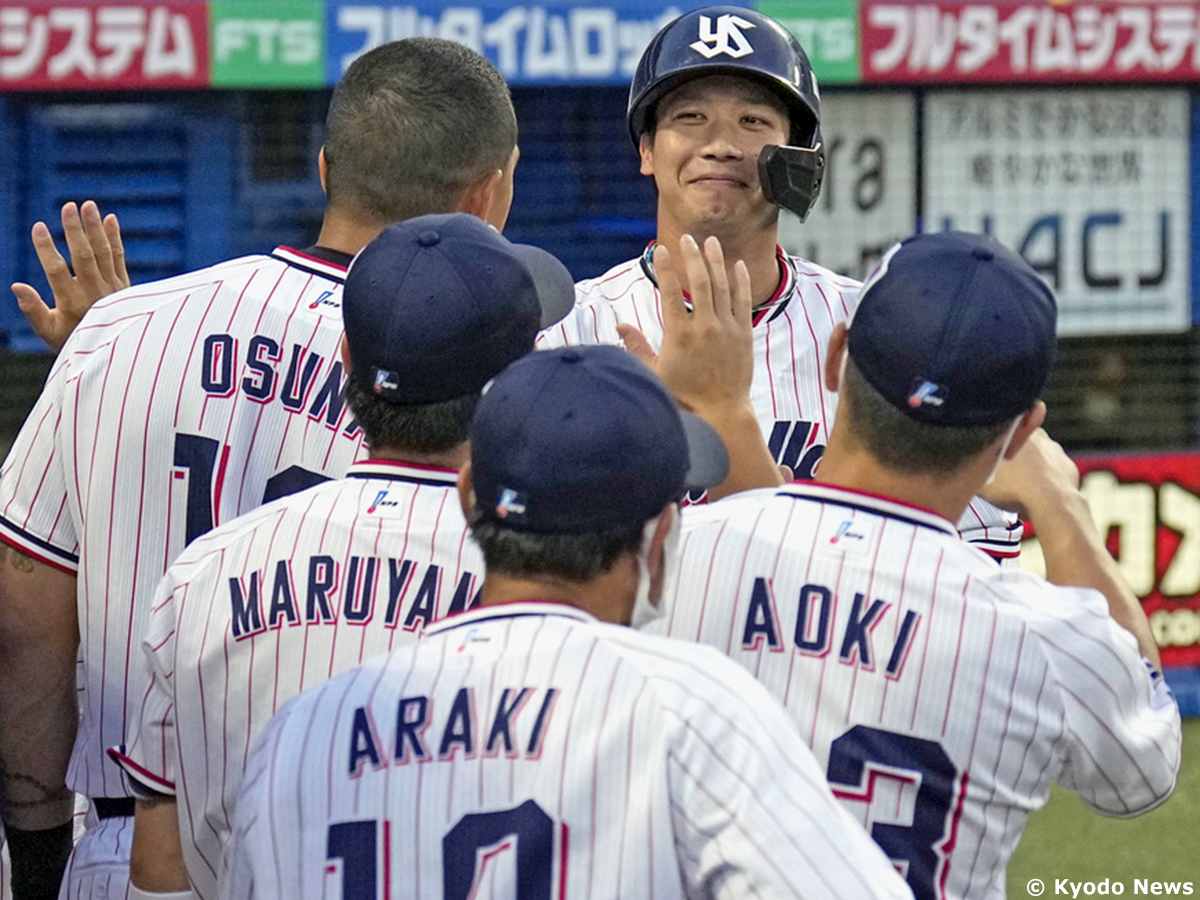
[957, 652]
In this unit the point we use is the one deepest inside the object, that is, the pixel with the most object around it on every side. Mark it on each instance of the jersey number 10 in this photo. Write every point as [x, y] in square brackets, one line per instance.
[475, 838]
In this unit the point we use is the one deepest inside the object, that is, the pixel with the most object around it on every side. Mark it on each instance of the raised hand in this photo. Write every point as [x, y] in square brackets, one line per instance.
[98, 258]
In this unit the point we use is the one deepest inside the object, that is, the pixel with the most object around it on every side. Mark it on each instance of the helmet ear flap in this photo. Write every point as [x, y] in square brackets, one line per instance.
[791, 176]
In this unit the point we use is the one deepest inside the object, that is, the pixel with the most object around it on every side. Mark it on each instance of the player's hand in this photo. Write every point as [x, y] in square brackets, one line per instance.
[98, 257]
[706, 358]
[1038, 474]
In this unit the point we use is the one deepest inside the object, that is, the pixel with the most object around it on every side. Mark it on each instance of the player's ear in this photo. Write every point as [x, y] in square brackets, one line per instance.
[833, 356]
[1026, 426]
[654, 561]
[322, 169]
[646, 152]
[481, 195]
[466, 494]
[346, 365]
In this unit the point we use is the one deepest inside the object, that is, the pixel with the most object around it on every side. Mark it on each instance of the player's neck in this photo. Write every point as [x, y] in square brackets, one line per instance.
[756, 246]
[340, 231]
[451, 459]
[609, 598]
[847, 464]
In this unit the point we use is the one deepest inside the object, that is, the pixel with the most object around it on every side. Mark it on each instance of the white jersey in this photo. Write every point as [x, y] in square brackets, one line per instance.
[528, 750]
[941, 693]
[791, 334]
[276, 602]
[173, 407]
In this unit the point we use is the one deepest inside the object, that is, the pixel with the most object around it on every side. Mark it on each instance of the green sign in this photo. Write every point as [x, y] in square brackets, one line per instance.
[828, 31]
[267, 43]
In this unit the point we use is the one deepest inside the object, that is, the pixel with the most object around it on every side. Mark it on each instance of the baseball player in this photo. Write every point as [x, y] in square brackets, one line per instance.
[456, 304]
[536, 747]
[725, 113]
[174, 407]
[940, 693]
[301, 589]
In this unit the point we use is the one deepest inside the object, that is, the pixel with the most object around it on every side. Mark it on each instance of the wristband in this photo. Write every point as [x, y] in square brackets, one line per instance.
[39, 859]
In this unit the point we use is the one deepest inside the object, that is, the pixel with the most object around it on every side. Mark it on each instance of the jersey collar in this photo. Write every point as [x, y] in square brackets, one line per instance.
[394, 470]
[328, 264]
[516, 610]
[765, 313]
[865, 501]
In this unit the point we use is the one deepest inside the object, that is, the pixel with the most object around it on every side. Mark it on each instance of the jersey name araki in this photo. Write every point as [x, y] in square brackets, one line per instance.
[509, 729]
[328, 590]
[307, 381]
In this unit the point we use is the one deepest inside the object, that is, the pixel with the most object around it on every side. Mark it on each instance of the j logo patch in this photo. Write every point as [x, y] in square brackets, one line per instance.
[726, 38]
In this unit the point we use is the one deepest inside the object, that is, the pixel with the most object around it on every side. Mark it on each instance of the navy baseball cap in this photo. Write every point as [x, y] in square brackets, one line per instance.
[586, 439]
[438, 305]
[955, 329]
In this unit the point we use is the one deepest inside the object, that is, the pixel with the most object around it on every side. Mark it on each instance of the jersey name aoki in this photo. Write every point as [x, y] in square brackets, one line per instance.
[814, 634]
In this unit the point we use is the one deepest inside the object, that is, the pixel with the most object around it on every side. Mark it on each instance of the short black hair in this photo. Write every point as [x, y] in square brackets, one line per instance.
[421, 429]
[411, 125]
[577, 558]
[905, 444]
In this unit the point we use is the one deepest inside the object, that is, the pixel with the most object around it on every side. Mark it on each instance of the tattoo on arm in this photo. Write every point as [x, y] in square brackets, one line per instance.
[20, 561]
[37, 793]
[149, 801]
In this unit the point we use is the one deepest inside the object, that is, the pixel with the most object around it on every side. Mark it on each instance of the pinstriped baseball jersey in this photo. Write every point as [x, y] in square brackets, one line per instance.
[941, 693]
[174, 406]
[278, 601]
[791, 333]
[528, 750]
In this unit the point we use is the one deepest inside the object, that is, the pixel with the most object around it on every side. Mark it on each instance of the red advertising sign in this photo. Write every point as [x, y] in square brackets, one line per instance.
[73, 45]
[1148, 509]
[1015, 41]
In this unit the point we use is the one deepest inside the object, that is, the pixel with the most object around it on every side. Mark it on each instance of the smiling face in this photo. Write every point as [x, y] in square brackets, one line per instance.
[703, 155]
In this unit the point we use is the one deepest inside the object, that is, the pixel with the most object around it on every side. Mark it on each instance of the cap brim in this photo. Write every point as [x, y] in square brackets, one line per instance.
[554, 284]
[708, 461]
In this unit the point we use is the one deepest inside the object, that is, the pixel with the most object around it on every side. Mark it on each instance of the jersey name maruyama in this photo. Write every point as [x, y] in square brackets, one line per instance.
[328, 590]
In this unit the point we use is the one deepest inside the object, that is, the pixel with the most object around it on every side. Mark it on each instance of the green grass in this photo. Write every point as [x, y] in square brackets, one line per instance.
[1065, 839]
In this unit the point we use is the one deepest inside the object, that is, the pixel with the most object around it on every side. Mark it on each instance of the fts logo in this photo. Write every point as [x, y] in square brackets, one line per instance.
[726, 38]
[925, 393]
[381, 499]
[325, 299]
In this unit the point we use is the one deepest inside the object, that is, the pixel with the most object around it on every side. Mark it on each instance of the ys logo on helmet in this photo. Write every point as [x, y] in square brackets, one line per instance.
[727, 38]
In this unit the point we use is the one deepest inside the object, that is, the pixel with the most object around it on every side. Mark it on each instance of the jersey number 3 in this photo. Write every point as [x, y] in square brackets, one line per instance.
[862, 756]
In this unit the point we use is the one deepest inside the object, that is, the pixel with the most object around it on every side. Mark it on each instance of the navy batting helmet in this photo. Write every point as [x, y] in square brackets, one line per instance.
[733, 40]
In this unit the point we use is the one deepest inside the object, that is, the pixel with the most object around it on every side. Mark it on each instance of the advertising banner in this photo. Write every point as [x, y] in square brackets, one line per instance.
[101, 46]
[1089, 185]
[1148, 509]
[826, 29]
[268, 43]
[868, 196]
[1011, 40]
[552, 43]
